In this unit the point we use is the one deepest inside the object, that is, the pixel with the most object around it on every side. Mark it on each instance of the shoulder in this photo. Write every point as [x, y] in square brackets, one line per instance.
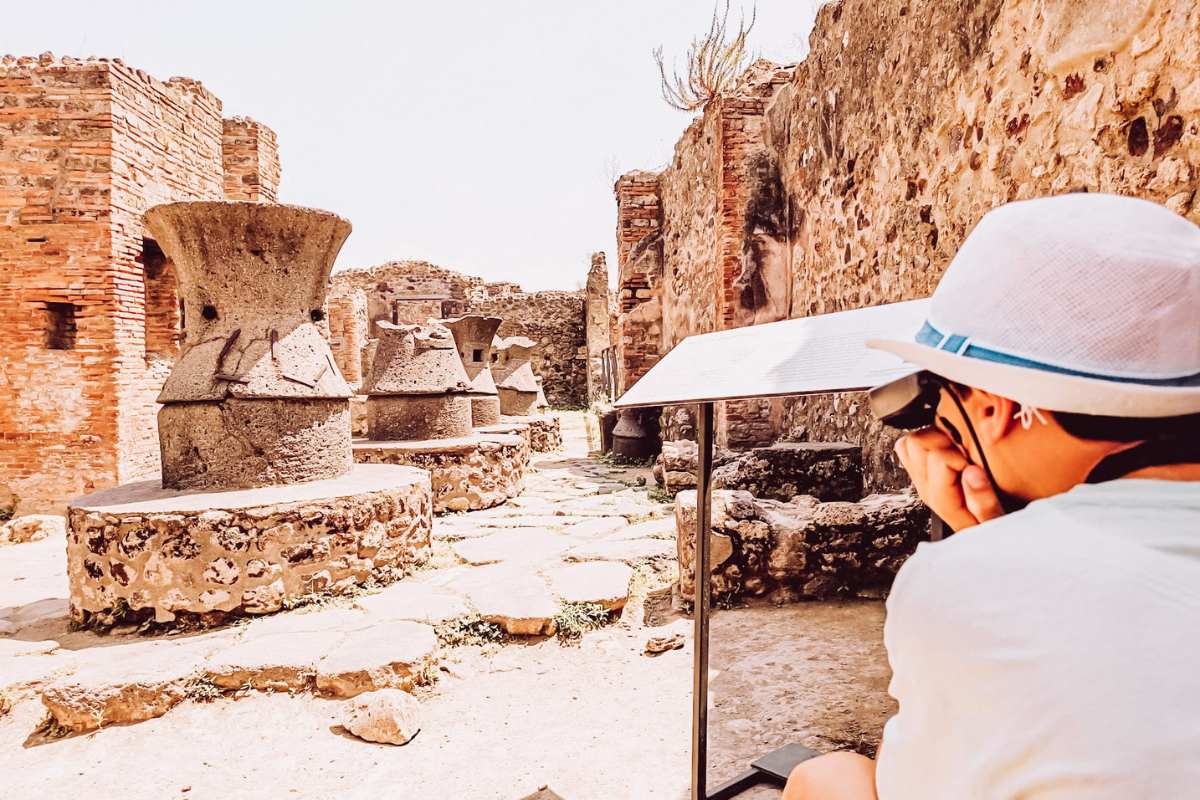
[986, 581]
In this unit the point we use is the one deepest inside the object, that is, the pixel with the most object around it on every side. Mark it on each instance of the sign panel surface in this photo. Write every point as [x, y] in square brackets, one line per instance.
[812, 355]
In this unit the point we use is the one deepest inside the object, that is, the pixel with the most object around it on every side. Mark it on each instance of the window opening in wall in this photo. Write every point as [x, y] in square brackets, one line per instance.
[163, 309]
[477, 356]
[60, 326]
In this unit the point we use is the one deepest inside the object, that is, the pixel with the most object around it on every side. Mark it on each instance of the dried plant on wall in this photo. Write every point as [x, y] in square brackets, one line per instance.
[714, 62]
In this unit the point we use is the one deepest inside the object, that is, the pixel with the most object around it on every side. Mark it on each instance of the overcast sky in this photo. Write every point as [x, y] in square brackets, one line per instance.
[482, 136]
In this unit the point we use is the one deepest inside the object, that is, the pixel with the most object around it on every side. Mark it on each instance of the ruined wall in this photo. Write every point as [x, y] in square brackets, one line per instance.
[88, 304]
[166, 141]
[639, 325]
[250, 158]
[905, 124]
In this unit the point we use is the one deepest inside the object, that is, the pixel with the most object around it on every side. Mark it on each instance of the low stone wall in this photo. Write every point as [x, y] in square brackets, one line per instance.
[800, 549]
[138, 550]
[826, 470]
[467, 474]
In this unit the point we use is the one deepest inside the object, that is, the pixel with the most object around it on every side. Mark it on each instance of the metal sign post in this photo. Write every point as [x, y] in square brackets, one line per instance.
[702, 578]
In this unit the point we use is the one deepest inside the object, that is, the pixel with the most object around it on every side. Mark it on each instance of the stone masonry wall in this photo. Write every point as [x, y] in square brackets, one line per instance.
[909, 121]
[88, 304]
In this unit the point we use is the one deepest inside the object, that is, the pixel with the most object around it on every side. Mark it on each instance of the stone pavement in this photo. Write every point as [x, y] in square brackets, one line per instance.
[582, 533]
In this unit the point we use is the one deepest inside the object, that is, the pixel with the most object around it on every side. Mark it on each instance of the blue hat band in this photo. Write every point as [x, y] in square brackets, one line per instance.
[961, 345]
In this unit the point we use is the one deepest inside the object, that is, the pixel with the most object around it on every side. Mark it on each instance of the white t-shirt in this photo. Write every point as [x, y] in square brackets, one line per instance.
[1052, 653]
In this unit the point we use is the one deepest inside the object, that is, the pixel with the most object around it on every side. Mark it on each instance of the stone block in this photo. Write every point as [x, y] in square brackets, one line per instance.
[804, 547]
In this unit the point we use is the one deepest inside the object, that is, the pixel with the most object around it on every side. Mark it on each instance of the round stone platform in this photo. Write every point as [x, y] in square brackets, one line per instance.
[542, 432]
[139, 550]
[468, 473]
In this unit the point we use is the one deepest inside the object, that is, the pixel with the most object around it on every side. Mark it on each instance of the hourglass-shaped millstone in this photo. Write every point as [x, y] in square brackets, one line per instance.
[517, 385]
[255, 398]
[417, 388]
[473, 336]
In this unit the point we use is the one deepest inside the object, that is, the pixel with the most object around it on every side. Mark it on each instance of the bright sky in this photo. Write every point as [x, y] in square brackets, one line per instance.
[482, 136]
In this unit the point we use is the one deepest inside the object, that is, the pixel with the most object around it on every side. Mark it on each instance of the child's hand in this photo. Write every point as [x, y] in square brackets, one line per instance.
[956, 490]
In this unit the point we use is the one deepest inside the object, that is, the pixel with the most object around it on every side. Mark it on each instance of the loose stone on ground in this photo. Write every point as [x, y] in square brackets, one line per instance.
[387, 716]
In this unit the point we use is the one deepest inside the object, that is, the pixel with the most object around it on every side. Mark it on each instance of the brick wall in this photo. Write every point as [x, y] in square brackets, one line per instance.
[55, 246]
[88, 308]
[707, 243]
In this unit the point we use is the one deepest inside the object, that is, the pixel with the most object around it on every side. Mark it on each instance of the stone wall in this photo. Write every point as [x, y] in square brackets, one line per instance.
[88, 306]
[555, 322]
[872, 159]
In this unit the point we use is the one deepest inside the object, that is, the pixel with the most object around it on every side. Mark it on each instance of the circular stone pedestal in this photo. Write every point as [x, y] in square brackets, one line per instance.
[544, 433]
[468, 473]
[147, 550]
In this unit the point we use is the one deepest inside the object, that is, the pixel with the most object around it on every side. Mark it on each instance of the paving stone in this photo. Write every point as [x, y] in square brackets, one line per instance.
[280, 662]
[415, 602]
[598, 527]
[128, 682]
[531, 546]
[391, 655]
[600, 582]
[659, 528]
[629, 551]
[521, 605]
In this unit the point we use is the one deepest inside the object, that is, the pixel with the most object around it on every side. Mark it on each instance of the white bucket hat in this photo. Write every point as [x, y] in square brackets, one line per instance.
[1084, 303]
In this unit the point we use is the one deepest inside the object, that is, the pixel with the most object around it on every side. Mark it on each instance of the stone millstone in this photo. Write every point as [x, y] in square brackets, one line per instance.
[386, 716]
[417, 387]
[473, 335]
[255, 398]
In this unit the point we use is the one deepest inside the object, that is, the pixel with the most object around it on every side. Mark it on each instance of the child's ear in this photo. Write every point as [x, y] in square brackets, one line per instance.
[996, 414]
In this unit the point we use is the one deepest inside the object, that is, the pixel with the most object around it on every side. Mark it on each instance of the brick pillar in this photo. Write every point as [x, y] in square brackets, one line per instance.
[250, 157]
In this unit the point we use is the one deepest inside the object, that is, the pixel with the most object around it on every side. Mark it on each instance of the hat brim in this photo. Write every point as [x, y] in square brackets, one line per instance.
[1050, 391]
